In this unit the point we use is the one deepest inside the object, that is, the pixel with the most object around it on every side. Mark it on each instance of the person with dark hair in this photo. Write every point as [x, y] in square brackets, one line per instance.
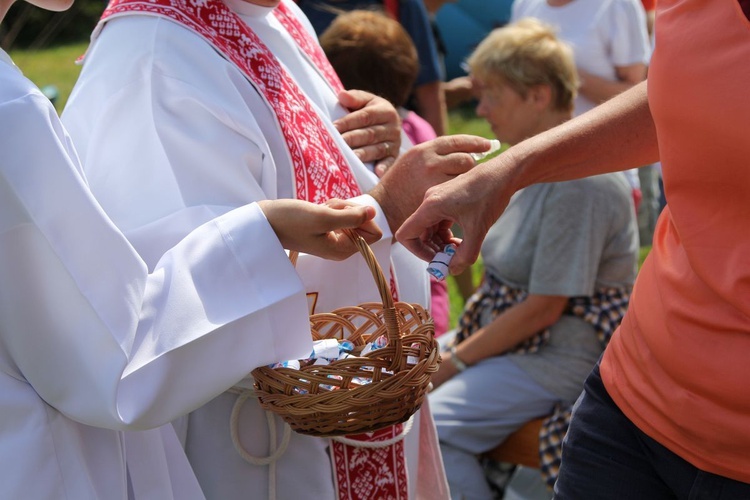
[370, 51]
[427, 97]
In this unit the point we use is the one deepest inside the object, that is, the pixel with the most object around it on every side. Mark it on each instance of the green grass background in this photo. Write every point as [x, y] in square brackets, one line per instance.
[56, 67]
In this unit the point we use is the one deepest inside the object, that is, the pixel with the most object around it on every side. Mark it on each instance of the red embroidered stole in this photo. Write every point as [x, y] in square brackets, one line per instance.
[320, 171]
[371, 473]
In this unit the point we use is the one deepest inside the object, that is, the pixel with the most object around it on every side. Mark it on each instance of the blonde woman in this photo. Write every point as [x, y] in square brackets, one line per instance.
[559, 263]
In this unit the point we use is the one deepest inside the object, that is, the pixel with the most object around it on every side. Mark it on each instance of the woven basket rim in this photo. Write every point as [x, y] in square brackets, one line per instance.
[395, 392]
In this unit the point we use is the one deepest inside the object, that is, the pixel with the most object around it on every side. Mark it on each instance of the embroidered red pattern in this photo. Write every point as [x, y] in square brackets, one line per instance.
[310, 48]
[371, 473]
[321, 171]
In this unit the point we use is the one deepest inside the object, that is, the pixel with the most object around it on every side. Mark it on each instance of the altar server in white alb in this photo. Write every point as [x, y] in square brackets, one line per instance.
[183, 105]
[95, 349]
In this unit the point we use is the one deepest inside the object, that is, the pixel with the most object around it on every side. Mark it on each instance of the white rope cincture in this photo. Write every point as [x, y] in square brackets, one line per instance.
[377, 444]
[275, 452]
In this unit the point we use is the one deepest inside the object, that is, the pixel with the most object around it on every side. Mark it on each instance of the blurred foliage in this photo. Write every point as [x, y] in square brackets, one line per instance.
[643, 254]
[26, 26]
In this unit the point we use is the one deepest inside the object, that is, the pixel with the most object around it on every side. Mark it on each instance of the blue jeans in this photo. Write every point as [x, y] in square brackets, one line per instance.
[606, 456]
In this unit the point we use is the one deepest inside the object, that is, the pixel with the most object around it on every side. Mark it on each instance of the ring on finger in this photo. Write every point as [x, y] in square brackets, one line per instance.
[387, 148]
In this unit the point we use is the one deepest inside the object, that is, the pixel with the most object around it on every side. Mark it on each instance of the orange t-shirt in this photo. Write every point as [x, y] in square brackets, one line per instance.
[679, 366]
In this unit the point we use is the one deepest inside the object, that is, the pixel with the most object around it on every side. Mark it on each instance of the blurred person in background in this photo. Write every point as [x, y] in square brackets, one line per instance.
[610, 44]
[427, 97]
[559, 266]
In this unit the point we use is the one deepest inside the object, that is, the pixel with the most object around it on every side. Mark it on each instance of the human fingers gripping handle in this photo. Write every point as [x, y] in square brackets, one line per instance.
[317, 229]
[349, 215]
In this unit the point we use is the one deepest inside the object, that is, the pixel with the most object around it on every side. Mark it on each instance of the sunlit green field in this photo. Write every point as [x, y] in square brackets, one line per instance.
[55, 66]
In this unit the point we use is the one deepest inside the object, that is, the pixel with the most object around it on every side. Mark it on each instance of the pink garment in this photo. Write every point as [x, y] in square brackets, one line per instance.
[417, 129]
[440, 307]
[637, 197]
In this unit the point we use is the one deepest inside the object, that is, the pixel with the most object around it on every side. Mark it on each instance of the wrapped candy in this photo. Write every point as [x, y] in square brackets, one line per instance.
[494, 148]
[324, 351]
[413, 360]
[439, 265]
[378, 343]
[292, 363]
[328, 387]
[325, 348]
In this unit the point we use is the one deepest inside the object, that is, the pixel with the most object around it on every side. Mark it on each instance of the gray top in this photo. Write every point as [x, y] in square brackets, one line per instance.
[565, 238]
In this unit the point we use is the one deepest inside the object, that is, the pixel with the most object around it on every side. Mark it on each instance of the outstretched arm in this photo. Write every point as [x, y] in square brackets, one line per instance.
[617, 135]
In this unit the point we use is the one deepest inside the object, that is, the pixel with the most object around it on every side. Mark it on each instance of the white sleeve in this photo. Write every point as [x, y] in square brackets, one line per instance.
[629, 36]
[94, 333]
[167, 141]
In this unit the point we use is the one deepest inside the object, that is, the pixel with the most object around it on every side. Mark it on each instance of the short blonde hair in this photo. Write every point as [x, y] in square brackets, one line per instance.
[525, 54]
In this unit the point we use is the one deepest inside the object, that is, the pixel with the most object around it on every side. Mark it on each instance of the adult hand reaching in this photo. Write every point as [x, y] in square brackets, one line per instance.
[403, 187]
[473, 200]
[316, 229]
[372, 129]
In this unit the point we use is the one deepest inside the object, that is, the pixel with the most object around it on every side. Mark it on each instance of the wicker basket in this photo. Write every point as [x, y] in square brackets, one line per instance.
[331, 400]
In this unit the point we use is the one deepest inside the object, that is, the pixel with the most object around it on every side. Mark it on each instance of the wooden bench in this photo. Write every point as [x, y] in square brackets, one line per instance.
[521, 447]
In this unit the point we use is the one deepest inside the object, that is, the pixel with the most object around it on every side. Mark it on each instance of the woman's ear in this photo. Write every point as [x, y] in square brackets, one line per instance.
[541, 96]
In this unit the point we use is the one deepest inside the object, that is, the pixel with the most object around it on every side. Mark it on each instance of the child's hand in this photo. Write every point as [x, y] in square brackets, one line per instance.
[316, 229]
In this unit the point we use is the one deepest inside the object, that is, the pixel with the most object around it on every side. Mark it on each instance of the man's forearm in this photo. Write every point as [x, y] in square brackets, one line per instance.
[614, 136]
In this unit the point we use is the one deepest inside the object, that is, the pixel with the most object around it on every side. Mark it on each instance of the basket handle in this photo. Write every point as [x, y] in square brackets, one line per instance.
[384, 289]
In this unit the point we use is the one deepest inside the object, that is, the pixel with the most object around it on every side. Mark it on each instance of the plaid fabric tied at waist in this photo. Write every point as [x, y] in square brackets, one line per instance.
[603, 310]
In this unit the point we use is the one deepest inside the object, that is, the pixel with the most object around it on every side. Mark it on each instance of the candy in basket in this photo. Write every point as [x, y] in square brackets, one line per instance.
[375, 375]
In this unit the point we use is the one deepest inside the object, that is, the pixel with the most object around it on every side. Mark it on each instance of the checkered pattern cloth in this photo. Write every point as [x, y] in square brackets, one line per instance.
[603, 310]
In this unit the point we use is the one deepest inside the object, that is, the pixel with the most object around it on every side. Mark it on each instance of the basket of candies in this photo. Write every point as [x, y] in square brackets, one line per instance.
[370, 367]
